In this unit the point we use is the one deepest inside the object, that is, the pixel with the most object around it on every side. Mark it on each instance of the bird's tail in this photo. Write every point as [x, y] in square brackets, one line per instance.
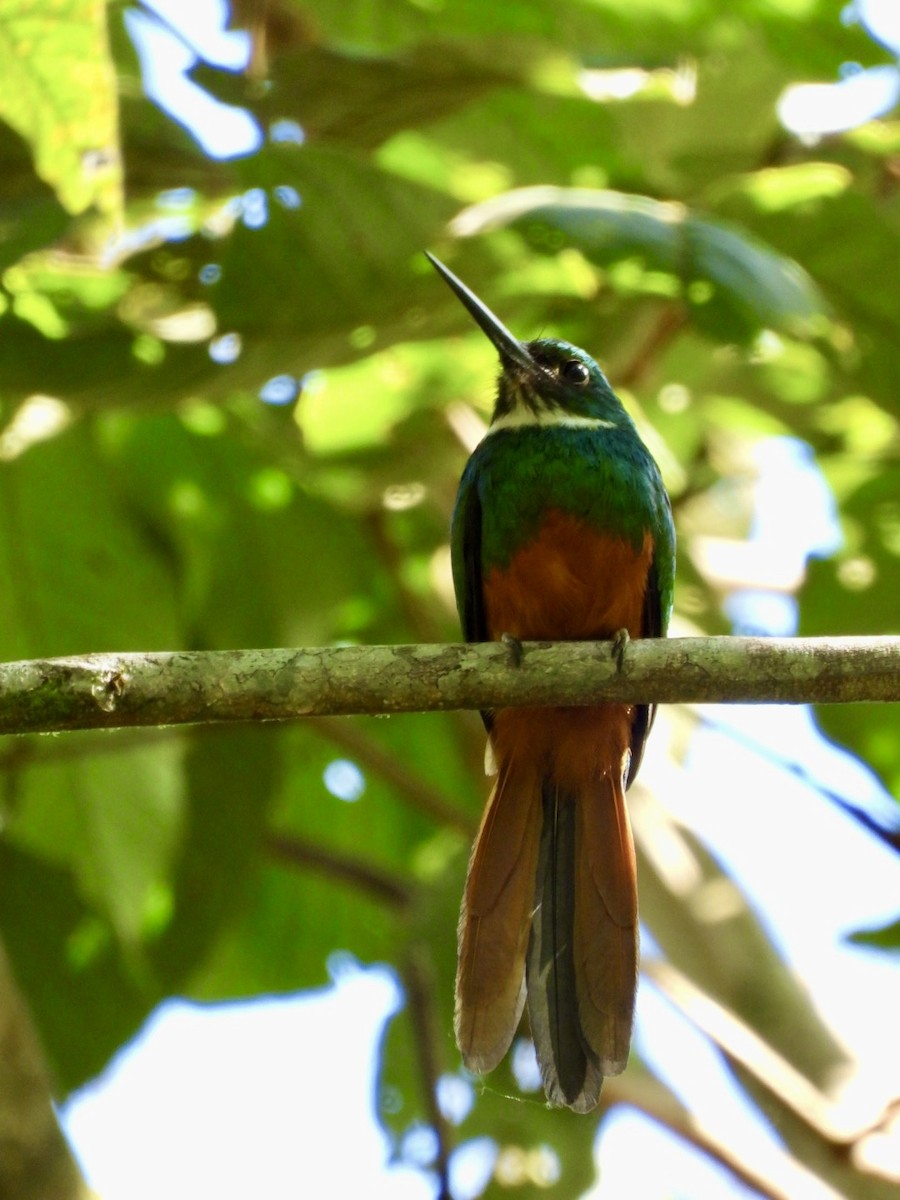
[551, 905]
[582, 958]
[495, 919]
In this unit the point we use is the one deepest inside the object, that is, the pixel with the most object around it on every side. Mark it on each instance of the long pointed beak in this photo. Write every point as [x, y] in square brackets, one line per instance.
[510, 349]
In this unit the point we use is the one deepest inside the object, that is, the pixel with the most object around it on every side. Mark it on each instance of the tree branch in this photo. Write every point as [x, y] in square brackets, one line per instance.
[417, 980]
[119, 690]
[818, 1131]
[35, 1160]
[778, 1178]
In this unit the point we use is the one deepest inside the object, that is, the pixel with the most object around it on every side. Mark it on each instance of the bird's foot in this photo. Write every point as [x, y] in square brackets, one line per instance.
[619, 646]
[514, 647]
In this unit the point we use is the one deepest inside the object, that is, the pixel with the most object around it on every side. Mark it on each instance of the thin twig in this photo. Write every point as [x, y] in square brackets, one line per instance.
[379, 884]
[389, 767]
[416, 970]
[671, 320]
[650, 1097]
[818, 1130]
[890, 836]
[35, 1159]
[745, 1046]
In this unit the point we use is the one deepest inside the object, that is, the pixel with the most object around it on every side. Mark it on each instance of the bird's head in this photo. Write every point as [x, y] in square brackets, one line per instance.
[541, 382]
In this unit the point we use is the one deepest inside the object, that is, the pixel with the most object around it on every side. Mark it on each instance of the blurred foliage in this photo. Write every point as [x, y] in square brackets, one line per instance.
[233, 413]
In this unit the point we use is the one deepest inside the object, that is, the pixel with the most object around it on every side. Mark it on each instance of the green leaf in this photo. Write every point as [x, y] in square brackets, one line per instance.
[344, 97]
[733, 285]
[824, 232]
[294, 292]
[112, 817]
[230, 780]
[31, 217]
[299, 913]
[80, 575]
[886, 937]
[85, 1001]
[58, 90]
[646, 29]
[238, 524]
[854, 593]
[323, 263]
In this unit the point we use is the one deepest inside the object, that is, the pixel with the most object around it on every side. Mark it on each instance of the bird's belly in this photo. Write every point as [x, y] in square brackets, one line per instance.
[570, 582]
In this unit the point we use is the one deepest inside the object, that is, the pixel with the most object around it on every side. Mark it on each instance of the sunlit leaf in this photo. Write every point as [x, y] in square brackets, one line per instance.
[58, 91]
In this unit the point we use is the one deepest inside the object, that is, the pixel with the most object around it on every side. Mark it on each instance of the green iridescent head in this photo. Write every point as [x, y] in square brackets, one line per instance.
[542, 378]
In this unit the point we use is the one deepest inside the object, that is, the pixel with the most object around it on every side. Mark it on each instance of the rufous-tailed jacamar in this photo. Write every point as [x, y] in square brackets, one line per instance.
[562, 530]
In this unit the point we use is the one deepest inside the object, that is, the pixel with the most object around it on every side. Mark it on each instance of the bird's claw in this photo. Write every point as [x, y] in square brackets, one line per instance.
[514, 646]
[619, 646]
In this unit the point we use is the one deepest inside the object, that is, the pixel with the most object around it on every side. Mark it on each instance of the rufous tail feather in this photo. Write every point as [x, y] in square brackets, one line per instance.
[582, 958]
[496, 917]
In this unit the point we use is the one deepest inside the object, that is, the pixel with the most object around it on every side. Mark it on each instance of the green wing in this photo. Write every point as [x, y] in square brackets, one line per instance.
[465, 547]
[655, 620]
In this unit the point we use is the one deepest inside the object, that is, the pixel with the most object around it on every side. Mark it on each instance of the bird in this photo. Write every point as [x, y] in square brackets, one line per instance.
[562, 530]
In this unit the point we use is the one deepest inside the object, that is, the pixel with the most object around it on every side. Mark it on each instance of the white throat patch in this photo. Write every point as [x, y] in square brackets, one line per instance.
[521, 417]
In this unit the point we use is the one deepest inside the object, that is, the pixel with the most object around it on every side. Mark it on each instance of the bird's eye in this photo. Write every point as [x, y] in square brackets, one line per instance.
[574, 371]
